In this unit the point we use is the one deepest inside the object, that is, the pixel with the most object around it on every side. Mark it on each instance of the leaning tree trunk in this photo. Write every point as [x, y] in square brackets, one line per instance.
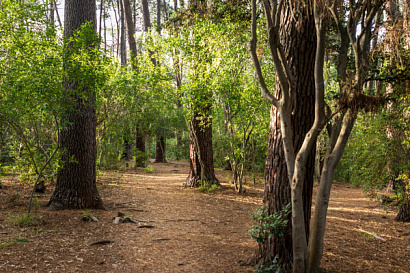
[76, 180]
[299, 41]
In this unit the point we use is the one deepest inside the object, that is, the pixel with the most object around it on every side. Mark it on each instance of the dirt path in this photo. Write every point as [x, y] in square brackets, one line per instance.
[184, 230]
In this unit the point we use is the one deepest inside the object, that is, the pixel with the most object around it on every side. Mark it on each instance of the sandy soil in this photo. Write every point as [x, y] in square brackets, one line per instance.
[183, 230]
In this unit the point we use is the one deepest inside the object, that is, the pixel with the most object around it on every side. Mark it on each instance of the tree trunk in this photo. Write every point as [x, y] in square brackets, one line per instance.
[404, 211]
[123, 46]
[201, 152]
[160, 150]
[52, 8]
[131, 31]
[299, 41]
[139, 130]
[140, 143]
[158, 13]
[200, 148]
[76, 180]
[145, 15]
[101, 16]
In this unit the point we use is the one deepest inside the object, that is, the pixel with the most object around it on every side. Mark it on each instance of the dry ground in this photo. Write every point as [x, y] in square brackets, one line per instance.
[184, 230]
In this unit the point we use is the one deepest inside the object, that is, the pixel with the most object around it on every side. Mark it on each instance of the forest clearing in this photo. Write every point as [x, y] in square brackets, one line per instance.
[186, 230]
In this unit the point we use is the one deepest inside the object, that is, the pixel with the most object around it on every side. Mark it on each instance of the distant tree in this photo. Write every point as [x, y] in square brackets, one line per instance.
[76, 180]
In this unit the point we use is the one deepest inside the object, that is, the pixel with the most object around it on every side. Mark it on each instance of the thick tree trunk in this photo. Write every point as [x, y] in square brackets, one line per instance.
[201, 152]
[404, 212]
[76, 180]
[299, 41]
[160, 150]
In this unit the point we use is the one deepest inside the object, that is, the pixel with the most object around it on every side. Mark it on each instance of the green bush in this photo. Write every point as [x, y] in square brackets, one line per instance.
[140, 157]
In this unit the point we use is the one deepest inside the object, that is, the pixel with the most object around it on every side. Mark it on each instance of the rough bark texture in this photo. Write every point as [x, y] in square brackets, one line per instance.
[299, 41]
[201, 132]
[160, 150]
[404, 212]
[76, 180]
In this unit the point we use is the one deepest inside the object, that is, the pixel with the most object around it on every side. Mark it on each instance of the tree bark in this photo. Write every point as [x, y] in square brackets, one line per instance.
[145, 15]
[131, 31]
[160, 150]
[201, 151]
[158, 13]
[404, 211]
[76, 180]
[299, 41]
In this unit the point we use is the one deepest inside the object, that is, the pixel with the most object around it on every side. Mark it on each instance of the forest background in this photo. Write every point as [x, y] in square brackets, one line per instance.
[191, 73]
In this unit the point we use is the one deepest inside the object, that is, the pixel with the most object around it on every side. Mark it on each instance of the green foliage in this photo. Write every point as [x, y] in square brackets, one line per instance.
[266, 227]
[207, 188]
[140, 157]
[269, 225]
[30, 84]
[367, 236]
[273, 268]
[21, 240]
[86, 212]
[24, 220]
[149, 169]
[5, 244]
[378, 153]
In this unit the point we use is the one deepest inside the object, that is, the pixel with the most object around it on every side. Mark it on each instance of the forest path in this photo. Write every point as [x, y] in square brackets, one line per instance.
[184, 230]
[178, 230]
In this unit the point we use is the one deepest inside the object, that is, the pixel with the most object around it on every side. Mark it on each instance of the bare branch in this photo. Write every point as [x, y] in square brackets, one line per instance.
[252, 48]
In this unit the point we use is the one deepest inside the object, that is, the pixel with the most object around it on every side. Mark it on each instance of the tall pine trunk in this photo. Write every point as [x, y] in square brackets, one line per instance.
[299, 41]
[404, 211]
[76, 180]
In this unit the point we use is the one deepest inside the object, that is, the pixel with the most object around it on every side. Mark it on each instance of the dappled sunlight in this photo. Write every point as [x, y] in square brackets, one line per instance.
[354, 210]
